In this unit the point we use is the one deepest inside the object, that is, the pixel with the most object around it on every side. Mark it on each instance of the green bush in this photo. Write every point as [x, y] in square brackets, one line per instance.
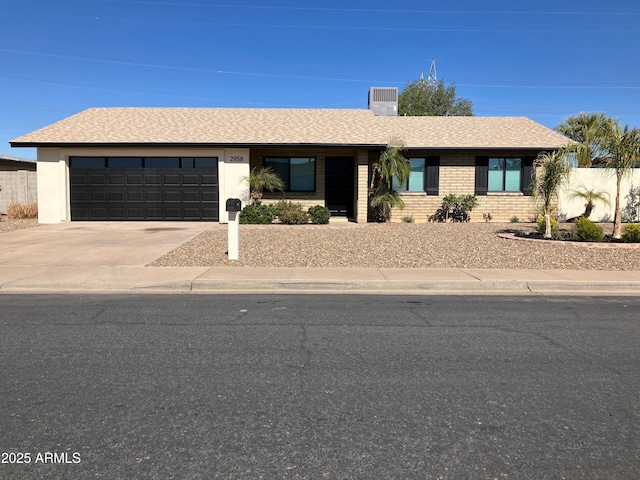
[408, 219]
[258, 214]
[555, 228]
[319, 215]
[514, 219]
[631, 233]
[290, 213]
[587, 231]
[455, 208]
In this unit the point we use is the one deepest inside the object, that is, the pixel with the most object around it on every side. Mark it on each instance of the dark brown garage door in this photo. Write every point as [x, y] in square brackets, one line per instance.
[146, 193]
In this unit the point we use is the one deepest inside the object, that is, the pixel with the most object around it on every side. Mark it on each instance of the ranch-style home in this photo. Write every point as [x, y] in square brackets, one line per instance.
[183, 163]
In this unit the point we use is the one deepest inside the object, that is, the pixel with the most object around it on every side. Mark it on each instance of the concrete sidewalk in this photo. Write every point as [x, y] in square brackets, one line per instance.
[137, 279]
[111, 257]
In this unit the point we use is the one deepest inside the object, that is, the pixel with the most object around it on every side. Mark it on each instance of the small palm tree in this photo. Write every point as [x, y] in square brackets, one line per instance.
[260, 180]
[390, 165]
[590, 198]
[551, 171]
[623, 147]
[589, 130]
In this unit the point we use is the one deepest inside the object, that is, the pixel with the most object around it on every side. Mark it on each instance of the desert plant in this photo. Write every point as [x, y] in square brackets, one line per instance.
[623, 147]
[631, 212]
[514, 219]
[552, 169]
[588, 130]
[587, 231]
[390, 165]
[631, 233]
[408, 219]
[21, 210]
[487, 217]
[382, 201]
[590, 198]
[260, 180]
[290, 213]
[319, 215]
[257, 214]
[455, 208]
[554, 227]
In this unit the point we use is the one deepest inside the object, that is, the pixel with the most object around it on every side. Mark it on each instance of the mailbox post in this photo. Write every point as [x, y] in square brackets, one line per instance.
[234, 205]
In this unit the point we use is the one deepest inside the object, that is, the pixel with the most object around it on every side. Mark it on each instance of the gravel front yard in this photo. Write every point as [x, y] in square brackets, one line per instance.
[9, 225]
[395, 245]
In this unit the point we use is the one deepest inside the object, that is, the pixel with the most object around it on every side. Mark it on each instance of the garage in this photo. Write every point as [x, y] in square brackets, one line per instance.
[144, 188]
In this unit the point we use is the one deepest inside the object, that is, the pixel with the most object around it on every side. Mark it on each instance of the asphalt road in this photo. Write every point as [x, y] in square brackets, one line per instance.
[316, 386]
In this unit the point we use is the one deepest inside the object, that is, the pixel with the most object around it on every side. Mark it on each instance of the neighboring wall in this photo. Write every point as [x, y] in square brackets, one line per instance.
[18, 185]
[596, 179]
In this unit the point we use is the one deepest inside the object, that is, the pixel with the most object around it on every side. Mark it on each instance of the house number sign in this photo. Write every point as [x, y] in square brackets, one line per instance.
[236, 159]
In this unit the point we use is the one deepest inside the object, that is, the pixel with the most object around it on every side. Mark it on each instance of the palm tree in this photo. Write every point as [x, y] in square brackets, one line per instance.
[260, 180]
[390, 165]
[589, 130]
[590, 198]
[623, 147]
[551, 170]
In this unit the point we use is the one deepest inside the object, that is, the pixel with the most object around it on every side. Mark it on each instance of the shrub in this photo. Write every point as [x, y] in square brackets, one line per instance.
[631, 233]
[555, 229]
[408, 219]
[455, 208]
[319, 215]
[487, 217]
[257, 214]
[20, 210]
[514, 219]
[290, 213]
[587, 231]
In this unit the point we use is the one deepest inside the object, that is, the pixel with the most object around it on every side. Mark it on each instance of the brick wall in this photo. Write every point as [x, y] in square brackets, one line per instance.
[457, 176]
[307, 199]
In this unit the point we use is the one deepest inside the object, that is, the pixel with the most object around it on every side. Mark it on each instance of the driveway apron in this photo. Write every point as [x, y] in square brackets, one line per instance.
[96, 243]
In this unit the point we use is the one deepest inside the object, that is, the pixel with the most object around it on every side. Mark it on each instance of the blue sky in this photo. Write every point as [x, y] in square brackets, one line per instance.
[545, 60]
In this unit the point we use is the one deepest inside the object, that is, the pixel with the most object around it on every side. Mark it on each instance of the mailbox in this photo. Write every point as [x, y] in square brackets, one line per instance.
[234, 205]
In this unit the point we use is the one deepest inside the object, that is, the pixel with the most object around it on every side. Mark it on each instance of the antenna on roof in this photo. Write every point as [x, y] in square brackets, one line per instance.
[433, 77]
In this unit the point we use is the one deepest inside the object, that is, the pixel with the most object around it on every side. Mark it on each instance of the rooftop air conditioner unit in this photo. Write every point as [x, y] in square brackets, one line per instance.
[383, 101]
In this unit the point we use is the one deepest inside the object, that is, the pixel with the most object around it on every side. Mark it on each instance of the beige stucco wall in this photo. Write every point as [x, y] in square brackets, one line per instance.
[233, 166]
[53, 174]
[596, 179]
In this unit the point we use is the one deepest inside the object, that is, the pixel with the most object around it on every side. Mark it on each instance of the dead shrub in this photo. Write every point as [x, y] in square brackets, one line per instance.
[20, 210]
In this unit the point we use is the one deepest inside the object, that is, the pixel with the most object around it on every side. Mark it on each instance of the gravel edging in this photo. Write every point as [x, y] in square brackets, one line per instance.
[11, 224]
[394, 245]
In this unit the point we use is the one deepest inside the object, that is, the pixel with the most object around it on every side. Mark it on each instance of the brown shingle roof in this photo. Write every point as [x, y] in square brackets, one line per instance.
[232, 126]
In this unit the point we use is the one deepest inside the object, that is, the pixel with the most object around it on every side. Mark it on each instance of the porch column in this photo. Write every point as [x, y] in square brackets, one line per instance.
[362, 186]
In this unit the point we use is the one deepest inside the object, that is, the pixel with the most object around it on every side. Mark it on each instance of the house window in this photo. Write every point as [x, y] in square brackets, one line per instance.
[297, 173]
[504, 174]
[423, 177]
[415, 182]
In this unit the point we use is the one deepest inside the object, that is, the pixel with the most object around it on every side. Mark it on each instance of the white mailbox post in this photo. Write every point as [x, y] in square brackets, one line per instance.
[234, 205]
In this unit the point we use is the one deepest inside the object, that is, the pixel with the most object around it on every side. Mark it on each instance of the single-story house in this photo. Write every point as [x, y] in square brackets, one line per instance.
[17, 181]
[183, 163]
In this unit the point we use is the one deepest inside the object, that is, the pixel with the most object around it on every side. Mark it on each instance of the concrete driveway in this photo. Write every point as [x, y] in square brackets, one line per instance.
[96, 243]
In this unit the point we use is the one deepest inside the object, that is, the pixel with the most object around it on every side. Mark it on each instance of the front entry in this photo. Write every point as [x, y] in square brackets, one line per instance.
[339, 186]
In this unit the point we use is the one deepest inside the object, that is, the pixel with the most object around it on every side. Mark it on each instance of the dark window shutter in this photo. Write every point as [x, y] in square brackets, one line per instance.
[432, 172]
[526, 175]
[482, 175]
